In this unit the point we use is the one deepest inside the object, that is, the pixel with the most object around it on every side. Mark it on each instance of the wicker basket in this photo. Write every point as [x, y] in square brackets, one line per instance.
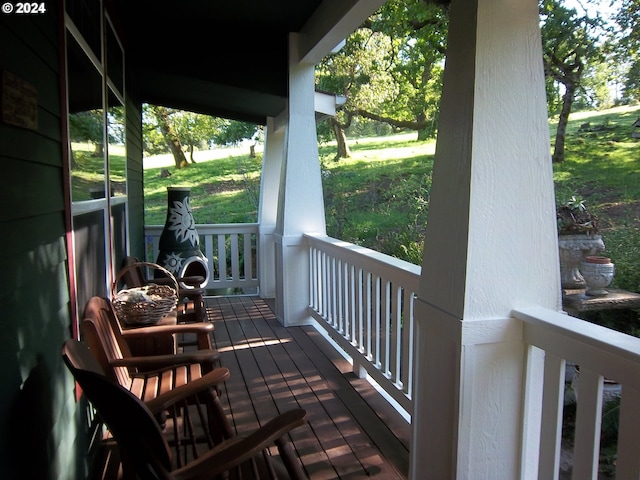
[146, 305]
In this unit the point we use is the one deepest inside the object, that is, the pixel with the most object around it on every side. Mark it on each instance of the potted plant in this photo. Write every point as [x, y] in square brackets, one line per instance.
[597, 272]
[577, 238]
[574, 218]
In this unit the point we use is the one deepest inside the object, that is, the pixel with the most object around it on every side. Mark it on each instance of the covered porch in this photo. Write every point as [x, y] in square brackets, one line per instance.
[366, 303]
[352, 431]
[472, 343]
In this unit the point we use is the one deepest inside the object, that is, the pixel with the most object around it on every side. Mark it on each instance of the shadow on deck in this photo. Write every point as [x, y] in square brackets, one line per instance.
[352, 431]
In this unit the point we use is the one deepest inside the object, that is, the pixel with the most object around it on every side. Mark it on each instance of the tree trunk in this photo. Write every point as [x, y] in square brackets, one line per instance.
[412, 125]
[191, 149]
[170, 136]
[74, 163]
[341, 139]
[563, 120]
[423, 133]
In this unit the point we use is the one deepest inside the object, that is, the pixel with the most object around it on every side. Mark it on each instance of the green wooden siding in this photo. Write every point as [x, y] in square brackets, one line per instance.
[135, 188]
[40, 433]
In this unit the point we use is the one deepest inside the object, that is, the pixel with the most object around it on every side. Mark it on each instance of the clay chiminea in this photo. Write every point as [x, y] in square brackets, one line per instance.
[179, 247]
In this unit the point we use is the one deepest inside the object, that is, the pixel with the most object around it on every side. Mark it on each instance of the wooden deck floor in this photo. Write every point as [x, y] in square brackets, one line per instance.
[352, 431]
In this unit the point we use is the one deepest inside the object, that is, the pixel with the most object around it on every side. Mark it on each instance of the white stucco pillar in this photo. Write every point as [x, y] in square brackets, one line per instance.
[301, 204]
[490, 246]
[272, 159]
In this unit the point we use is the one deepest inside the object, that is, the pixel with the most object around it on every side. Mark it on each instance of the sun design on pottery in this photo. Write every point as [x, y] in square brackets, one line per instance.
[181, 222]
[173, 262]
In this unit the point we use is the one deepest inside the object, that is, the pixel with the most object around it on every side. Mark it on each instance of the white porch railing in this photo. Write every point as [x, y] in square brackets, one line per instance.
[600, 353]
[231, 250]
[364, 300]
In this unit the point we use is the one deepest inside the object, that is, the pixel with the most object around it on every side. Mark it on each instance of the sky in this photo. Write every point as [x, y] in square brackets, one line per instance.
[604, 6]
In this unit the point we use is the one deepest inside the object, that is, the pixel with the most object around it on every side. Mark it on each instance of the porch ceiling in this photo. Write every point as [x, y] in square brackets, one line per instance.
[212, 56]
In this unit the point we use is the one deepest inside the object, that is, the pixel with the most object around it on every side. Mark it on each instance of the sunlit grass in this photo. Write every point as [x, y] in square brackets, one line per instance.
[379, 197]
[223, 189]
[602, 163]
[87, 171]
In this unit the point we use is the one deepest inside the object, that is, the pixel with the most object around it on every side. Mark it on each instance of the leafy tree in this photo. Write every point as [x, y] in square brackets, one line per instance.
[116, 121]
[390, 70]
[152, 139]
[232, 132]
[595, 91]
[169, 128]
[569, 43]
[358, 73]
[193, 129]
[418, 33]
[628, 19]
[88, 127]
[162, 117]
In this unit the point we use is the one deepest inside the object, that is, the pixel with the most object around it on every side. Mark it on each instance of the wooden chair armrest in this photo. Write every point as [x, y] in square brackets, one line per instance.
[206, 382]
[237, 450]
[199, 327]
[158, 362]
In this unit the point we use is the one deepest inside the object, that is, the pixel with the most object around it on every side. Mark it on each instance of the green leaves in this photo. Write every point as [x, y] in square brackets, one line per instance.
[391, 68]
[193, 129]
[628, 48]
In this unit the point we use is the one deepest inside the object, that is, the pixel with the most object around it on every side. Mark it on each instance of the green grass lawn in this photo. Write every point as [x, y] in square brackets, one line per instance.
[87, 171]
[379, 197]
[602, 166]
[224, 189]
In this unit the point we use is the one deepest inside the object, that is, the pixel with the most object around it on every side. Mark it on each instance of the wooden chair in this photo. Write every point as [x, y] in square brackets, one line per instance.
[165, 337]
[191, 307]
[108, 341]
[150, 376]
[142, 446]
[162, 338]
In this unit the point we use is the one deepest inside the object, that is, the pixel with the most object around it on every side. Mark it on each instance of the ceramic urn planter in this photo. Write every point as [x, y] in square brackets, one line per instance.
[598, 273]
[179, 247]
[573, 249]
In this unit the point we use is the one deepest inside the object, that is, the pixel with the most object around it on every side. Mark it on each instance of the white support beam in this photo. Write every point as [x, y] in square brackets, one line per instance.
[301, 203]
[330, 24]
[490, 247]
[326, 105]
[272, 160]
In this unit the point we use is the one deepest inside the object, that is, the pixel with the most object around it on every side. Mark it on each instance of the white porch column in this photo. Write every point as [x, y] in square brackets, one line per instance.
[272, 159]
[490, 246]
[301, 205]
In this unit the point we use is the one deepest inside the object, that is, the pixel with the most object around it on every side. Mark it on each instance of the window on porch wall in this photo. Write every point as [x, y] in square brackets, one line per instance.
[97, 147]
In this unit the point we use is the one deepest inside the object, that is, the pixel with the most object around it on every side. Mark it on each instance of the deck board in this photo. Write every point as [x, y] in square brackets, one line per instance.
[351, 432]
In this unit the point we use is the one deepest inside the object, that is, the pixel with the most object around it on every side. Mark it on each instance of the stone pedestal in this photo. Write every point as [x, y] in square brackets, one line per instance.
[573, 249]
[576, 301]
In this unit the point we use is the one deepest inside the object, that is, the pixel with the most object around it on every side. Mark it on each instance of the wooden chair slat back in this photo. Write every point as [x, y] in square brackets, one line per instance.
[135, 429]
[79, 356]
[102, 338]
